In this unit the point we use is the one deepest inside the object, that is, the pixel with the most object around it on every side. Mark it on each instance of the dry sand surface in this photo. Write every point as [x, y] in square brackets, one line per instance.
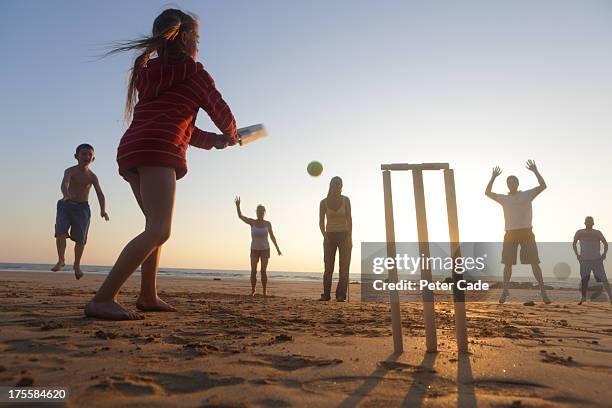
[225, 349]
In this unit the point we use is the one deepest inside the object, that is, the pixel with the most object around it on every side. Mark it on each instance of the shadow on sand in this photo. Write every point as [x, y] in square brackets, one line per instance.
[422, 381]
[368, 385]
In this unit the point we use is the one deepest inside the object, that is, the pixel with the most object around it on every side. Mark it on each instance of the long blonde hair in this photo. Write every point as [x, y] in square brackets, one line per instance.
[165, 41]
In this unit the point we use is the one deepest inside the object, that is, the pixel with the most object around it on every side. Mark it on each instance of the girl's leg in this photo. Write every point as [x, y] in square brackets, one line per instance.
[148, 300]
[157, 187]
[264, 274]
[254, 260]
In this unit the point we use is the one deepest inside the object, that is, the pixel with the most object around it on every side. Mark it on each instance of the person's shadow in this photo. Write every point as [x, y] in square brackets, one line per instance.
[369, 384]
[422, 379]
[420, 382]
[465, 382]
[466, 396]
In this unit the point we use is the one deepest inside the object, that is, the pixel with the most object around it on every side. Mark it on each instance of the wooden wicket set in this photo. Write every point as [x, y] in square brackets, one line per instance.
[421, 220]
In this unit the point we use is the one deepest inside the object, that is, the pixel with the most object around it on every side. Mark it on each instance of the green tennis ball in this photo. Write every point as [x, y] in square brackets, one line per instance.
[314, 168]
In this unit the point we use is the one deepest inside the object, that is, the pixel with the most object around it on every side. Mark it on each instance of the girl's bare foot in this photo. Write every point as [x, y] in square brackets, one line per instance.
[110, 310]
[77, 272]
[58, 266]
[155, 305]
[253, 293]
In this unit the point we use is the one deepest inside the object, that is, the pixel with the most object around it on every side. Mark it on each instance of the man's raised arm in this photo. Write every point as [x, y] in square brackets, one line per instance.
[488, 192]
[531, 166]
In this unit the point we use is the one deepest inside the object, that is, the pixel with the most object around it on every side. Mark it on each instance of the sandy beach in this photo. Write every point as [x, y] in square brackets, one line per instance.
[225, 349]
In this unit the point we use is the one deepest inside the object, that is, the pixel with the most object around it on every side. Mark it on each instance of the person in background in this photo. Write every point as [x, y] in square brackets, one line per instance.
[73, 213]
[517, 218]
[590, 257]
[260, 247]
[336, 224]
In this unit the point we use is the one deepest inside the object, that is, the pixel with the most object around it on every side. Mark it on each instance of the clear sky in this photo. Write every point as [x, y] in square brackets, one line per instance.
[350, 83]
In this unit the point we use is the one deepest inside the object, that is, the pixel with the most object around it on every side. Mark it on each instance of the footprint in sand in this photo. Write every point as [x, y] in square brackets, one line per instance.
[127, 387]
[194, 381]
[30, 346]
[291, 363]
[52, 325]
[397, 366]
[272, 403]
[515, 386]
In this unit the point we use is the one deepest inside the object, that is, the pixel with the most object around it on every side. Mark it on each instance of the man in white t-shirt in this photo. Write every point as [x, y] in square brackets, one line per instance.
[517, 217]
[590, 257]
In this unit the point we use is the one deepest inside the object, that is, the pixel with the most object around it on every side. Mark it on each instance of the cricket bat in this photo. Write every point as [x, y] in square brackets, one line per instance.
[250, 134]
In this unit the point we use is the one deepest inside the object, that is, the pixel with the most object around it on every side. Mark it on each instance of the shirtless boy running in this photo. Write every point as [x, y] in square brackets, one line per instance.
[73, 214]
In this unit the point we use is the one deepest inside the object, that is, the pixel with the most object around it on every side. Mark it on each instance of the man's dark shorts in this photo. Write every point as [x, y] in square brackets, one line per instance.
[596, 266]
[72, 219]
[526, 240]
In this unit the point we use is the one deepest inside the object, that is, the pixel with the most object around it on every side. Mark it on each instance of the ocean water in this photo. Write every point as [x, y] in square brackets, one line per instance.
[180, 272]
[570, 283]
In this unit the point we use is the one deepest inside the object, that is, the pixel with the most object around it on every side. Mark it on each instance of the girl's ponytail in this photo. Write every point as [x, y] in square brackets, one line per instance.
[139, 63]
[164, 41]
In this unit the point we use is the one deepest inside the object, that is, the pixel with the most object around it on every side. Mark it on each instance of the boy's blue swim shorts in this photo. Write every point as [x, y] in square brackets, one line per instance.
[72, 219]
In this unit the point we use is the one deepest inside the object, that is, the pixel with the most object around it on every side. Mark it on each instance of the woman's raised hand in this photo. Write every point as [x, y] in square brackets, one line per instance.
[237, 201]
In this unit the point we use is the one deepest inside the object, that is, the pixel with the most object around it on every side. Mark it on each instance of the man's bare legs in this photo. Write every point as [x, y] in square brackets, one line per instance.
[507, 276]
[157, 188]
[264, 275]
[606, 286]
[254, 261]
[78, 253]
[537, 273]
[60, 243]
[584, 284]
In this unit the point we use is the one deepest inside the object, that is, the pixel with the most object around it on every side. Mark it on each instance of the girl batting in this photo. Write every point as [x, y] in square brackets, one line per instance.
[163, 99]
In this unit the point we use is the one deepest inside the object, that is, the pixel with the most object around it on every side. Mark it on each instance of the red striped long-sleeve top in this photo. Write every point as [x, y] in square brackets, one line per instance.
[163, 124]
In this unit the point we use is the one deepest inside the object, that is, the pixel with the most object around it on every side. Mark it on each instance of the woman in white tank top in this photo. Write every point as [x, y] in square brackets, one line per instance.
[260, 247]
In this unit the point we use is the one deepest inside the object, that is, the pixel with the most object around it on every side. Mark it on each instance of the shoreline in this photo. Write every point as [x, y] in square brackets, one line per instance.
[312, 277]
[290, 288]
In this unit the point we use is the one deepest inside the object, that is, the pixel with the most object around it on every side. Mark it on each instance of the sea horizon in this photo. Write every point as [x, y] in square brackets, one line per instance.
[285, 276]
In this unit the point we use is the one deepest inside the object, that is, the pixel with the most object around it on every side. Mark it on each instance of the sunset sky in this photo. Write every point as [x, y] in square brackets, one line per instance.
[352, 84]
